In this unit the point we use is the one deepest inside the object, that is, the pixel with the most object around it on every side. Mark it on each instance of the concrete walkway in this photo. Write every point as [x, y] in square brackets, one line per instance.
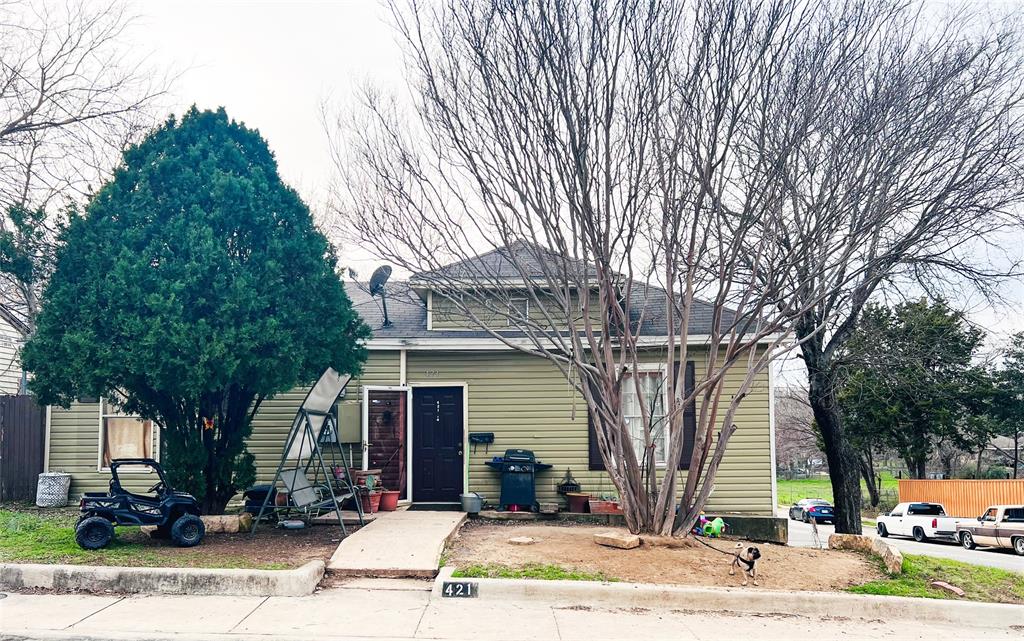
[362, 609]
[396, 544]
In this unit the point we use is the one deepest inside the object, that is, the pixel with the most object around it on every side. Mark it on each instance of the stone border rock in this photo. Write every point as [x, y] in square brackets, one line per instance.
[967, 614]
[94, 578]
[891, 557]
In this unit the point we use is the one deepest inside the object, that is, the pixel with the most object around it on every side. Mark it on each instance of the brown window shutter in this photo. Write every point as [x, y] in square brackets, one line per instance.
[593, 448]
[689, 417]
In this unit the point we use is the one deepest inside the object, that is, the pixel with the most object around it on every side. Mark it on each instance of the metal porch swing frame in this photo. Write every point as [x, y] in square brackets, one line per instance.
[313, 421]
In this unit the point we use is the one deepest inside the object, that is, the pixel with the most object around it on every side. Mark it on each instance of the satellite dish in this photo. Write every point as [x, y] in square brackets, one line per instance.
[379, 279]
[377, 282]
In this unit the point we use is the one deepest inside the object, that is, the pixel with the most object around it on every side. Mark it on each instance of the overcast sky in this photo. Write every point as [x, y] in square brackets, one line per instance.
[272, 65]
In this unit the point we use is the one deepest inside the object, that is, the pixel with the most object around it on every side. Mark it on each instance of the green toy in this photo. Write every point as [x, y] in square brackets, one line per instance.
[714, 529]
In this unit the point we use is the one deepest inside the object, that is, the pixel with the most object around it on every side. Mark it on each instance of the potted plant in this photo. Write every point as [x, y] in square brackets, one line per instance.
[389, 500]
[370, 496]
[607, 504]
[359, 476]
[578, 501]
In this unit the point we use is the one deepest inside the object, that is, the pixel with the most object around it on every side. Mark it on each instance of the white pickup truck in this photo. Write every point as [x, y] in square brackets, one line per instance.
[922, 521]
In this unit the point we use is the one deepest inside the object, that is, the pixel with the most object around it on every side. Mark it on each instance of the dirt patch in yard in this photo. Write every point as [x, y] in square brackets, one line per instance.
[269, 548]
[572, 547]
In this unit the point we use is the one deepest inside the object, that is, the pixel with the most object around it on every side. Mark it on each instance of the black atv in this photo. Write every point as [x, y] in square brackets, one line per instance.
[175, 514]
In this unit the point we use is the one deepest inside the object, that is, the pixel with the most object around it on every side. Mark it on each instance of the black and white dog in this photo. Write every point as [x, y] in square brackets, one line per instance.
[745, 557]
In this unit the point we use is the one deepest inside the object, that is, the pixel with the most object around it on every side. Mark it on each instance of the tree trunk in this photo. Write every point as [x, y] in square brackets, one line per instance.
[867, 472]
[916, 466]
[843, 467]
[1016, 452]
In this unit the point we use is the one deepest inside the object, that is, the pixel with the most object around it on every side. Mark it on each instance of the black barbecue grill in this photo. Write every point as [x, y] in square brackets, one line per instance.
[518, 469]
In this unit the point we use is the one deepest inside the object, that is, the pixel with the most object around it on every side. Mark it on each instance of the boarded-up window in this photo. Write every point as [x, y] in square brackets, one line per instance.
[123, 435]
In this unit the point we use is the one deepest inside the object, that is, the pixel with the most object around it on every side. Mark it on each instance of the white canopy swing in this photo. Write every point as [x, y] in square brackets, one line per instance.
[315, 423]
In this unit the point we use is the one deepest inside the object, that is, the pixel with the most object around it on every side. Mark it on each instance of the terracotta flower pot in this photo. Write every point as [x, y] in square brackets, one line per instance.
[389, 500]
[577, 501]
[371, 501]
[604, 507]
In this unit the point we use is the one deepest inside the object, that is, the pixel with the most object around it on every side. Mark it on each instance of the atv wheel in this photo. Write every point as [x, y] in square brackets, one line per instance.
[187, 531]
[93, 532]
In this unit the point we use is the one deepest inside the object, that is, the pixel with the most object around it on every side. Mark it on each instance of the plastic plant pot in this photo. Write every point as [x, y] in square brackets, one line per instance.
[578, 501]
[389, 500]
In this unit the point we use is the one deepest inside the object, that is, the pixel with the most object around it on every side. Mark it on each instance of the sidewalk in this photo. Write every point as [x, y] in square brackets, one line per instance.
[375, 609]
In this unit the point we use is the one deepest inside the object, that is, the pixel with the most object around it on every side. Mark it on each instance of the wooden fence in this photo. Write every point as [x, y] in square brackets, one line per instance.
[963, 497]
[22, 441]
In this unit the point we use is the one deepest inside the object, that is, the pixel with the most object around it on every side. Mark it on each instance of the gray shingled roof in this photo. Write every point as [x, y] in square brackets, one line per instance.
[504, 263]
[408, 314]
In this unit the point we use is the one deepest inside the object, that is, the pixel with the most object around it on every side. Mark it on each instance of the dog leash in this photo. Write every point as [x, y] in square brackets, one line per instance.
[702, 542]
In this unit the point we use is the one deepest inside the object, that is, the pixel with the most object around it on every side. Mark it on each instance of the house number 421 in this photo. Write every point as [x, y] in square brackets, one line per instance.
[460, 589]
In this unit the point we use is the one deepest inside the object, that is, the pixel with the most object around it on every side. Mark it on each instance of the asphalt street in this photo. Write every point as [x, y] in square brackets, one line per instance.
[802, 535]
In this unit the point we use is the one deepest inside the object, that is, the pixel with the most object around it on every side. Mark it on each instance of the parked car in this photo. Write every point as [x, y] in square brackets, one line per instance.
[1001, 526]
[175, 514]
[807, 509]
[923, 521]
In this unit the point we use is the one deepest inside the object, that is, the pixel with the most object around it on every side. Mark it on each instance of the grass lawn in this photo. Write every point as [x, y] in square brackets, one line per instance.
[530, 571]
[820, 488]
[979, 583]
[47, 536]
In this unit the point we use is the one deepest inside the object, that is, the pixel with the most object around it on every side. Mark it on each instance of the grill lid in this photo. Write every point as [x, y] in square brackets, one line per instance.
[519, 456]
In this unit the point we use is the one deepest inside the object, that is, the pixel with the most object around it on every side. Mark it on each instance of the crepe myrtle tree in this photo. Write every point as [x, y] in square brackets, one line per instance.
[194, 285]
[621, 160]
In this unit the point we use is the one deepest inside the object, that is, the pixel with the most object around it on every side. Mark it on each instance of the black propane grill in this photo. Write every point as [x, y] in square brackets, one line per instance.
[518, 469]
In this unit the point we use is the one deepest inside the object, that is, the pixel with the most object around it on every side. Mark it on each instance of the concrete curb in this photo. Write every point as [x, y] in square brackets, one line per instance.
[809, 604]
[92, 578]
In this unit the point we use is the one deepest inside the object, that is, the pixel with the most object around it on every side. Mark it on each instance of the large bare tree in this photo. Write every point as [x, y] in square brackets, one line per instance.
[902, 144]
[634, 165]
[72, 95]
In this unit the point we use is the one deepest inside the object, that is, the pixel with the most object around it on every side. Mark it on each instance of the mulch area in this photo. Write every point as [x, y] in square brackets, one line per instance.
[674, 561]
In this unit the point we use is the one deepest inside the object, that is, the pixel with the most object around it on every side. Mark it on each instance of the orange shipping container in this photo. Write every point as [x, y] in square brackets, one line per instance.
[963, 497]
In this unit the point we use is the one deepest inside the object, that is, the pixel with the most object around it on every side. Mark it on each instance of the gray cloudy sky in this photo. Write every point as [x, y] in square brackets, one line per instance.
[272, 64]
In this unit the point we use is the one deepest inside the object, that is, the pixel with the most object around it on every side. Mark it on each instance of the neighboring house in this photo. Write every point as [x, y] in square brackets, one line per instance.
[12, 336]
[430, 382]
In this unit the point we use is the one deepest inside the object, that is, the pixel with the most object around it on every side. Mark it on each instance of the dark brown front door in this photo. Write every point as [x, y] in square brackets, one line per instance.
[437, 422]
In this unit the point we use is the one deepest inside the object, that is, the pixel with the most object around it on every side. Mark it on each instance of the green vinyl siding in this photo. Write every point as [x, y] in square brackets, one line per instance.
[446, 314]
[525, 400]
[75, 449]
[74, 432]
[527, 403]
[275, 416]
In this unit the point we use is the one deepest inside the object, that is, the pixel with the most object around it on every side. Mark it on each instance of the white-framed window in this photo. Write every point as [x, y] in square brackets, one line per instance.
[123, 436]
[652, 395]
[518, 310]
